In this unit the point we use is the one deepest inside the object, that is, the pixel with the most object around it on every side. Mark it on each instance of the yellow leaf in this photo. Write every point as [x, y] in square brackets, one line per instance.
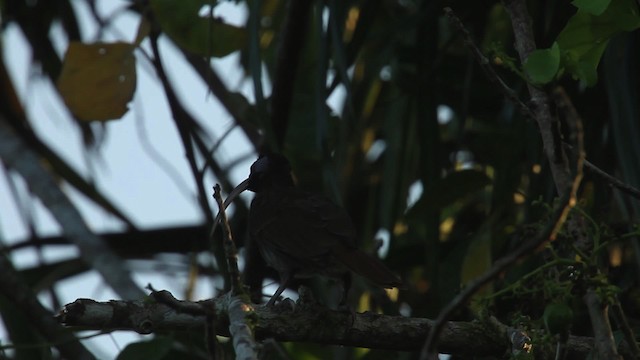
[98, 80]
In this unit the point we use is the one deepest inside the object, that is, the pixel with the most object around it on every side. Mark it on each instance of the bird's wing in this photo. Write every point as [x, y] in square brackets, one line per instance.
[304, 225]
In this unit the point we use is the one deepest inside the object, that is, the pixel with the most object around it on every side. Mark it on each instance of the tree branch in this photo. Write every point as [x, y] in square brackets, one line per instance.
[230, 249]
[525, 110]
[560, 169]
[547, 233]
[306, 322]
[240, 326]
[22, 297]
[19, 157]
[236, 105]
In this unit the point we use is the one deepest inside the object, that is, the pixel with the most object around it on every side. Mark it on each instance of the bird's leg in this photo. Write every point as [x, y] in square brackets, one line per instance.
[284, 281]
[346, 285]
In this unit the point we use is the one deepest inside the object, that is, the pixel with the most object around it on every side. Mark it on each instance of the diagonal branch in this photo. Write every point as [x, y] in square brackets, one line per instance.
[17, 292]
[525, 110]
[19, 157]
[547, 233]
[185, 123]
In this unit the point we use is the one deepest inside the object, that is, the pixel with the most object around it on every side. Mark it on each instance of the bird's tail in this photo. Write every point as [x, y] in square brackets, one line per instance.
[368, 266]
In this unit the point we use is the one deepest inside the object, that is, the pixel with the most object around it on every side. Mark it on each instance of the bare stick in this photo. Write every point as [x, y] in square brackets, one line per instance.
[230, 250]
[485, 64]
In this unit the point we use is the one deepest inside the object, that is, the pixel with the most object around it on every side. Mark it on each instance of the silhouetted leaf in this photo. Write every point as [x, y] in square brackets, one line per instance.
[98, 80]
[183, 23]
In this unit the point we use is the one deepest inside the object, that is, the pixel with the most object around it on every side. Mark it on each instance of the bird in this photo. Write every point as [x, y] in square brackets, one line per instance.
[302, 234]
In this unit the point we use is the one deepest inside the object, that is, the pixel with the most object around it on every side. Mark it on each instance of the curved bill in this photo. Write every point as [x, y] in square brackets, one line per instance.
[232, 196]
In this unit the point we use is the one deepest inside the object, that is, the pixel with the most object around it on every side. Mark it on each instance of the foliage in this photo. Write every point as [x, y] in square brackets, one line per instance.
[417, 120]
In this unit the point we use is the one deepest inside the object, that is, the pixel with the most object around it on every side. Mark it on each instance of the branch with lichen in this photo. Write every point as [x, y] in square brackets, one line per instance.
[307, 322]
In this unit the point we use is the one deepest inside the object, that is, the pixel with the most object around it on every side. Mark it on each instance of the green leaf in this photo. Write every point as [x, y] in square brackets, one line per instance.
[584, 39]
[156, 348]
[543, 65]
[557, 318]
[594, 7]
[182, 22]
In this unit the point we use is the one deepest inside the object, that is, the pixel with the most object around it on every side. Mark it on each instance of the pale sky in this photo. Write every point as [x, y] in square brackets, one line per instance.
[123, 170]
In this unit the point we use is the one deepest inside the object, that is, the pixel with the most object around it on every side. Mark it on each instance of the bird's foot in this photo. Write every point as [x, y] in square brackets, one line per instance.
[305, 297]
[283, 305]
[350, 310]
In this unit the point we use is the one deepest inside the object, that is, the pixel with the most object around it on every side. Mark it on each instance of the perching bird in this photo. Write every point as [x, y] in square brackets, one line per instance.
[301, 234]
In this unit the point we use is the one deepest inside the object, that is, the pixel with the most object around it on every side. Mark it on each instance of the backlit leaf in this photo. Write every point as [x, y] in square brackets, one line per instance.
[584, 39]
[543, 64]
[595, 7]
[98, 80]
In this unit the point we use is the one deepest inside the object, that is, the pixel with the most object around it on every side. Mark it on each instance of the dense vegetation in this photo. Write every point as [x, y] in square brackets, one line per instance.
[456, 146]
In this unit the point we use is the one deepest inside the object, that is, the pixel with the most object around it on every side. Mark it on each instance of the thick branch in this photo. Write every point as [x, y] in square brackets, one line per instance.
[540, 103]
[306, 323]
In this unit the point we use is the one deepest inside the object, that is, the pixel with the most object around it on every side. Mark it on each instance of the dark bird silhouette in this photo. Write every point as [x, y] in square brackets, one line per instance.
[301, 234]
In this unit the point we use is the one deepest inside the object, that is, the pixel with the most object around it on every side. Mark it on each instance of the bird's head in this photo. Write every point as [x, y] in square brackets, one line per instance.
[268, 172]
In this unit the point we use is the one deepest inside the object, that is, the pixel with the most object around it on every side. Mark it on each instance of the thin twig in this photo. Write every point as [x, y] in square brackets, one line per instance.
[621, 319]
[577, 139]
[625, 188]
[485, 64]
[561, 171]
[548, 233]
[230, 250]
[525, 110]
[576, 136]
[18, 156]
[239, 310]
[185, 124]
[156, 157]
[234, 103]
